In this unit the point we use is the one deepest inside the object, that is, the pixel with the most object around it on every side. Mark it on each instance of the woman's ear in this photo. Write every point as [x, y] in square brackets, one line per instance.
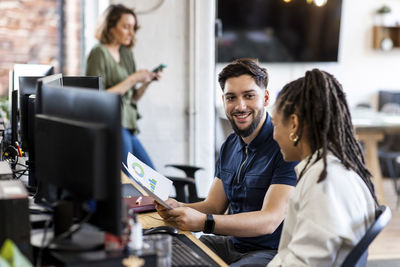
[294, 123]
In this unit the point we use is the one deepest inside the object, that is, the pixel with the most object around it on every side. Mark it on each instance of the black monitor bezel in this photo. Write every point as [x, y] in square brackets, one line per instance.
[75, 103]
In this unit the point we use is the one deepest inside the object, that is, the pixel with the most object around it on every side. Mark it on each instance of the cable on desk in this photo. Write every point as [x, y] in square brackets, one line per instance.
[20, 172]
[39, 258]
[11, 154]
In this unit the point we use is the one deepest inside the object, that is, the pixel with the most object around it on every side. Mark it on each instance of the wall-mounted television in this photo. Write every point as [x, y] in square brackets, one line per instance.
[278, 31]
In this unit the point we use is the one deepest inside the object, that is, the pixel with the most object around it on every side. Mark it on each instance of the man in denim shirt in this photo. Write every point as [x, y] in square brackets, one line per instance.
[251, 177]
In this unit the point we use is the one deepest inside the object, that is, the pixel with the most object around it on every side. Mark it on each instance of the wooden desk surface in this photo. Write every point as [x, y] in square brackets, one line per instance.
[152, 219]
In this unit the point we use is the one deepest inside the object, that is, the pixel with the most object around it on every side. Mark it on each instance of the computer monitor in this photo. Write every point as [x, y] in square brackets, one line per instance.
[32, 70]
[27, 92]
[14, 117]
[29, 70]
[93, 82]
[78, 141]
[28, 87]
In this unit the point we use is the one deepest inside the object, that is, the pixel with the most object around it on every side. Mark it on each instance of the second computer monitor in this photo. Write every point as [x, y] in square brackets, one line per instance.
[78, 141]
[28, 87]
[92, 82]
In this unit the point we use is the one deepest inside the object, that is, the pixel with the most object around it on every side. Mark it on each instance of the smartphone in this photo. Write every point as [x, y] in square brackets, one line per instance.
[160, 67]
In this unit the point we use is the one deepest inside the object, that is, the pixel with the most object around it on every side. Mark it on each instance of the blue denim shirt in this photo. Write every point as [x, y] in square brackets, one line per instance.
[264, 166]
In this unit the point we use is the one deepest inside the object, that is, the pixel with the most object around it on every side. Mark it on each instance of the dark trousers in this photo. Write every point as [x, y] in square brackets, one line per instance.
[224, 248]
[130, 143]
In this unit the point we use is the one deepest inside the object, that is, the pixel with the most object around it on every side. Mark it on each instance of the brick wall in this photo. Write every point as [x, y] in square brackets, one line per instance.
[29, 34]
[72, 43]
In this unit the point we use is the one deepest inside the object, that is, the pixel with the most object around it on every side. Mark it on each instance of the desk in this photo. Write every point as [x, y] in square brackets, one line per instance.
[371, 127]
[152, 219]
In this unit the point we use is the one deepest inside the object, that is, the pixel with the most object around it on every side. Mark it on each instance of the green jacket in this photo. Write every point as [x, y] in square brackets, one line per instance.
[101, 63]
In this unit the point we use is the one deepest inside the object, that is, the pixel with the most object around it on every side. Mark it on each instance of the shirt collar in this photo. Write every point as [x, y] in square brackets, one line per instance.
[264, 134]
[299, 167]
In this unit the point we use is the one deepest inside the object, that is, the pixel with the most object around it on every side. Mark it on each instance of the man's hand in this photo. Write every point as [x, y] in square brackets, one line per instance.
[187, 218]
[163, 211]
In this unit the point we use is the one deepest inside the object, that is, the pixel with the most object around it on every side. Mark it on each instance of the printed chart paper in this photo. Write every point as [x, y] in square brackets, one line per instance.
[149, 178]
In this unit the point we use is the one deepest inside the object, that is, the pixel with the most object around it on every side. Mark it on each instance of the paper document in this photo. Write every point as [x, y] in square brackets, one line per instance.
[153, 183]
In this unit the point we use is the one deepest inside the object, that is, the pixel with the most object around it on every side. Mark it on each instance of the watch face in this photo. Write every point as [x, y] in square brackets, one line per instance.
[386, 44]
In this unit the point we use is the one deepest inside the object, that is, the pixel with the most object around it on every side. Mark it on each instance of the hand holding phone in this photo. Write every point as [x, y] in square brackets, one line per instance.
[157, 70]
[159, 67]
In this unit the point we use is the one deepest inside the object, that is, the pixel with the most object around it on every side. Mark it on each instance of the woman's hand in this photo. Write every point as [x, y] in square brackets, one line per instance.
[158, 75]
[142, 76]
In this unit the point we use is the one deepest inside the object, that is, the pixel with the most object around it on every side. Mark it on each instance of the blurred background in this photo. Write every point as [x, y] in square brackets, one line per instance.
[356, 40]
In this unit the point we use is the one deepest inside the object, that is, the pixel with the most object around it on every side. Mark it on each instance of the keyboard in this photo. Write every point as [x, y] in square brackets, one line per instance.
[187, 253]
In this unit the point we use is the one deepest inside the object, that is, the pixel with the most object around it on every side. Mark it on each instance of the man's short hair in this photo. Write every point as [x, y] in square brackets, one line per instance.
[243, 66]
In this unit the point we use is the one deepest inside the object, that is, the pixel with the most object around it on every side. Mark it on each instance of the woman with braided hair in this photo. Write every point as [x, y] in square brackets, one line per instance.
[334, 201]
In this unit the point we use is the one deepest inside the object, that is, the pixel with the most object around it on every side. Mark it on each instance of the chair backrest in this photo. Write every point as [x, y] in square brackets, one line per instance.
[383, 216]
[391, 108]
[388, 97]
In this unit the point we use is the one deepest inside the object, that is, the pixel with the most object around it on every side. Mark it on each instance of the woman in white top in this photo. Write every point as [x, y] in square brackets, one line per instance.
[334, 201]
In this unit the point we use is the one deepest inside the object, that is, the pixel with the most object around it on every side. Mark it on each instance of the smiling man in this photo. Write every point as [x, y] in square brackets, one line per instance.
[251, 177]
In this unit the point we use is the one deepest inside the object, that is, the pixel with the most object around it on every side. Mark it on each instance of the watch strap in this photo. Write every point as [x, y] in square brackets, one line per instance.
[209, 224]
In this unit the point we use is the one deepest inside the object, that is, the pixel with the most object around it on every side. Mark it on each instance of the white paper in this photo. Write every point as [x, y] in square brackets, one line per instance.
[152, 180]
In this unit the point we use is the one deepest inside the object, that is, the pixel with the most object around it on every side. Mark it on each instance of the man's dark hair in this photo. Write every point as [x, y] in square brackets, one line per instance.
[320, 103]
[243, 66]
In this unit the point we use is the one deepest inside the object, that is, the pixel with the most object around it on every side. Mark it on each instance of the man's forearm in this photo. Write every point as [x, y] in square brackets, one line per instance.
[203, 207]
[246, 224]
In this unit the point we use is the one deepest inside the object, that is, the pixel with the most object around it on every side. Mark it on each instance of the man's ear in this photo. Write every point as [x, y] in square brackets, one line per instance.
[223, 98]
[266, 98]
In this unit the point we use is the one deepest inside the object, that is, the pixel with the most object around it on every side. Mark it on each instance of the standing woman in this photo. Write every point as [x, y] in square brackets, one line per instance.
[112, 59]
[333, 203]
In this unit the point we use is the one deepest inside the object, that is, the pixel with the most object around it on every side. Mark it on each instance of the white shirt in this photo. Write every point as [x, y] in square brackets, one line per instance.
[325, 220]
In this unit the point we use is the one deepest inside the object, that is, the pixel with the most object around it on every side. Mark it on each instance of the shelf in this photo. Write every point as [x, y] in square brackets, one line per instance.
[381, 33]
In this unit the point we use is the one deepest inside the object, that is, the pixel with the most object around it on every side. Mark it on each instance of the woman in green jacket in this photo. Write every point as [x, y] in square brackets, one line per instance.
[112, 59]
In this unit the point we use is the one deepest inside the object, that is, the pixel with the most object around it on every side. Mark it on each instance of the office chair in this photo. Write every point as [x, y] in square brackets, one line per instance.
[389, 149]
[185, 187]
[358, 255]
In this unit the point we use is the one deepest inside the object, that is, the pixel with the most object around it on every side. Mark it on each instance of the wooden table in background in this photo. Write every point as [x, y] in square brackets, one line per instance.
[371, 127]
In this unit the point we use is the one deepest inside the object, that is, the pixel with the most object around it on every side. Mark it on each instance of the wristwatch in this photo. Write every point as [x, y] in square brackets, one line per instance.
[209, 224]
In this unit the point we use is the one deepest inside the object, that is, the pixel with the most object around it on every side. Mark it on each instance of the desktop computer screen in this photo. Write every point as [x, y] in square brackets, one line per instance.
[27, 93]
[29, 70]
[23, 70]
[92, 82]
[28, 87]
[78, 141]
[14, 117]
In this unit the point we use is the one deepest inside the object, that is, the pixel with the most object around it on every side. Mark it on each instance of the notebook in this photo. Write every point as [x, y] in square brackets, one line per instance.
[140, 203]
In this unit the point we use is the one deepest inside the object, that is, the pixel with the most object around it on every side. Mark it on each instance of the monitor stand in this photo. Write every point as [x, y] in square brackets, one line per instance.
[87, 238]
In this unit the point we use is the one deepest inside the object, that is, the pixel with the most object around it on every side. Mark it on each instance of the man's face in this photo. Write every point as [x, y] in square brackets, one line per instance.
[244, 103]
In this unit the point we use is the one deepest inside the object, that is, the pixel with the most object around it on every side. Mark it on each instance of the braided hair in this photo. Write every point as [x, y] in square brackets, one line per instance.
[320, 103]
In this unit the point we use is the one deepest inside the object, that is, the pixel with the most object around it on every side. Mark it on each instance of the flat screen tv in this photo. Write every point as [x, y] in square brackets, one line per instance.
[278, 31]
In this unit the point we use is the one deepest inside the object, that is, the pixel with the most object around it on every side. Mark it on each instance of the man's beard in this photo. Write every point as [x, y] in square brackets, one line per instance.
[249, 130]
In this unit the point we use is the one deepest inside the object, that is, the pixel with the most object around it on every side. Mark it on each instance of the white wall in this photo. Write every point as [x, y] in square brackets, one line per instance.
[361, 69]
[171, 35]
[178, 112]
